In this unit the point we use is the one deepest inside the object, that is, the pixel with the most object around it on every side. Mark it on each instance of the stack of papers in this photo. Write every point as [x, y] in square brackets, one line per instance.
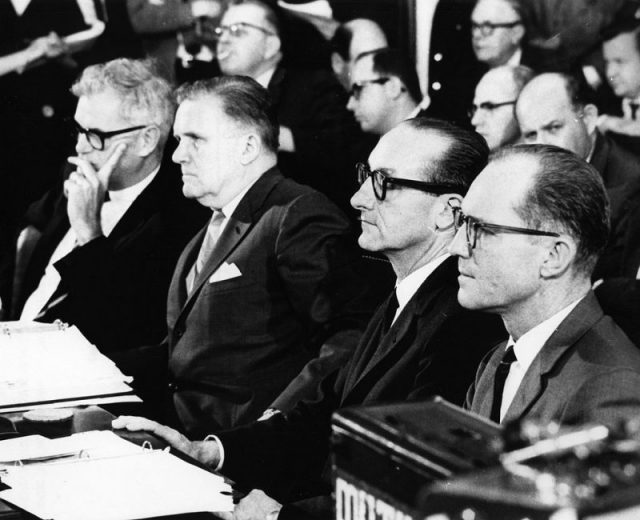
[112, 479]
[45, 365]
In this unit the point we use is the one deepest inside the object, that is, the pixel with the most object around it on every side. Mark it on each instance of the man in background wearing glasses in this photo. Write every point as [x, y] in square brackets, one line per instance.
[102, 250]
[555, 108]
[315, 127]
[530, 231]
[420, 342]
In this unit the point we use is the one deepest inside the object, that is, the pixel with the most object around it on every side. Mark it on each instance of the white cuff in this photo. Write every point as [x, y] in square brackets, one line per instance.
[220, 450]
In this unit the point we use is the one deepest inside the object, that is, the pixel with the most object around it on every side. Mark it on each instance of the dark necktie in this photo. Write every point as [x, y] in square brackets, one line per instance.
[498, 383]
[390, 312]
[634, 109]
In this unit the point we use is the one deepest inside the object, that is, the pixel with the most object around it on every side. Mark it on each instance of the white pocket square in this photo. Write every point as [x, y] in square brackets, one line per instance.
[225, 272]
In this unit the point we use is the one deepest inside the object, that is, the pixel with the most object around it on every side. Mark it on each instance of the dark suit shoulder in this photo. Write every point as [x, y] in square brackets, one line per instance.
[606, 345]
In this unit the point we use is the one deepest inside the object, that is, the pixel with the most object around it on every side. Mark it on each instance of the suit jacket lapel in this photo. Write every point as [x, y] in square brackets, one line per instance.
[421, 303]
[579, 321]
[246, 214]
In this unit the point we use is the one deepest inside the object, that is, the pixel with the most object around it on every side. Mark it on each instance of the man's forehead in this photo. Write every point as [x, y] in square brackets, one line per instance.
[363, 69]
[541, 100]
[407, 149]
[249, 13]
[622, 44]
[496, 87]
[492, 11]
[500, 186]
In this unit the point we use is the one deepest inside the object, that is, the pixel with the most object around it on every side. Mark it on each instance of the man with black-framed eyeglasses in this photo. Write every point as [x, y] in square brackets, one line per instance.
[497, 32]
[529, 233]
[384, 90]
[492, 113]
[104, 248]
[419, 342]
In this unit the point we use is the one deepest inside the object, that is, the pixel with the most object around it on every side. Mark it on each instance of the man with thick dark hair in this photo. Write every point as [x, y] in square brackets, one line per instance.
[420, 342]
[385, 90]
[265, 300]
[530, 232]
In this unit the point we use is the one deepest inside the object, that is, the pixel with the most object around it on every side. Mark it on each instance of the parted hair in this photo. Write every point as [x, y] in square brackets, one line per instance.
[465, 158]
[243, 99]
[567, 195]
[146, 97]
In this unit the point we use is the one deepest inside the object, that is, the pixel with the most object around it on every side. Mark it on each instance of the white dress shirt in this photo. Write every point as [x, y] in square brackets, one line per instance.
[626, 108]
[526, 349]
[110, 214]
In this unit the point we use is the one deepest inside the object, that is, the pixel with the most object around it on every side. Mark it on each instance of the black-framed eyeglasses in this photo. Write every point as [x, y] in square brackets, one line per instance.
[489, 106]
[96, 138]
[381, 181]
[473, 226]
[236, 30]
[487, 28]
[357, 88]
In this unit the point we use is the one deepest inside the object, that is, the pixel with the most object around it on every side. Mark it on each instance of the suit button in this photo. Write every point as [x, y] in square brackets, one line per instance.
[437, 56]
[179, 333]
[173, 387]
[436, 85]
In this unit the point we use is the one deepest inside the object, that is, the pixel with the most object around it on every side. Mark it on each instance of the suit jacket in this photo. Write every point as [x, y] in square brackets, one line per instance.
[265, 338]
[587, 371]
[313, 105]
[114, 288]
[620, 172]
[433, 347]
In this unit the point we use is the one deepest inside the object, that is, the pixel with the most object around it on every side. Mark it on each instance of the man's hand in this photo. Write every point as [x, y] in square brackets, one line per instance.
[203, 451]
[619, 125]
[85, 189]
[50, 46]
[257, 506]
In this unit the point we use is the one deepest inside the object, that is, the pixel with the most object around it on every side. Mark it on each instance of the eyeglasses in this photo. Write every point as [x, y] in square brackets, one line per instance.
[487, 28]
[239, 29]
[357, 88]
[97, 138]
[488, 106]
[381, 181]
[474, 226]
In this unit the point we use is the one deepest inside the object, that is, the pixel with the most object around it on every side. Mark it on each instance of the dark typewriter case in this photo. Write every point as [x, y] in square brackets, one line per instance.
[382, 456]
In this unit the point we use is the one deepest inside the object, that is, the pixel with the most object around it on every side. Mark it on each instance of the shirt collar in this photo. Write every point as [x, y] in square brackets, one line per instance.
[531, 343]
[265, 77]
[228, 209]
[128, 195]
[407, 287]
[516, 58]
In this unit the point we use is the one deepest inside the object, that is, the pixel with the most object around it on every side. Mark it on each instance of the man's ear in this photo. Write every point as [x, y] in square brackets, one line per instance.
[590, 117]
[559, 257]
[444, 217]
[517, 34]
[148, 140]
[394, 87]
[337, 64]
[272, 46]
[251, 146]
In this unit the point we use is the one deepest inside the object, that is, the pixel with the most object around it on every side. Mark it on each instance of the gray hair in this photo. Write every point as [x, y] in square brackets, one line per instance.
[147, 98]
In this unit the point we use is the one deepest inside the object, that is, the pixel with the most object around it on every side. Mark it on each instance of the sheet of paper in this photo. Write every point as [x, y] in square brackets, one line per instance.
[92, 444]
[40, 365]
[146, 484]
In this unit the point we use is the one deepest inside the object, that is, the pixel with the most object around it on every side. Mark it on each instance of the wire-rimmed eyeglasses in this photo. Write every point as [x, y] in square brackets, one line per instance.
[487, 28]
[96, 138]
[239, 29]
[381, 181]
[473, 226]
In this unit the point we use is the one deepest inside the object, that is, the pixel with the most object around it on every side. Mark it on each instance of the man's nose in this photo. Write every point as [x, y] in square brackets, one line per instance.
[364, 197]
[178, 155]
[82, 144]
[459, 246]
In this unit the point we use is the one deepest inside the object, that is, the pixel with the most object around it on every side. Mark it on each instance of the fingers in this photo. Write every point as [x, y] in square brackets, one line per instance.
[135, 424]
[110, 165]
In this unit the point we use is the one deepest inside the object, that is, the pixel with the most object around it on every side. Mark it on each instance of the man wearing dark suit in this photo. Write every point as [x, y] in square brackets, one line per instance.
[105, 266]
[554, 108]
[419, 342]
[530, 232]
[264, 301]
